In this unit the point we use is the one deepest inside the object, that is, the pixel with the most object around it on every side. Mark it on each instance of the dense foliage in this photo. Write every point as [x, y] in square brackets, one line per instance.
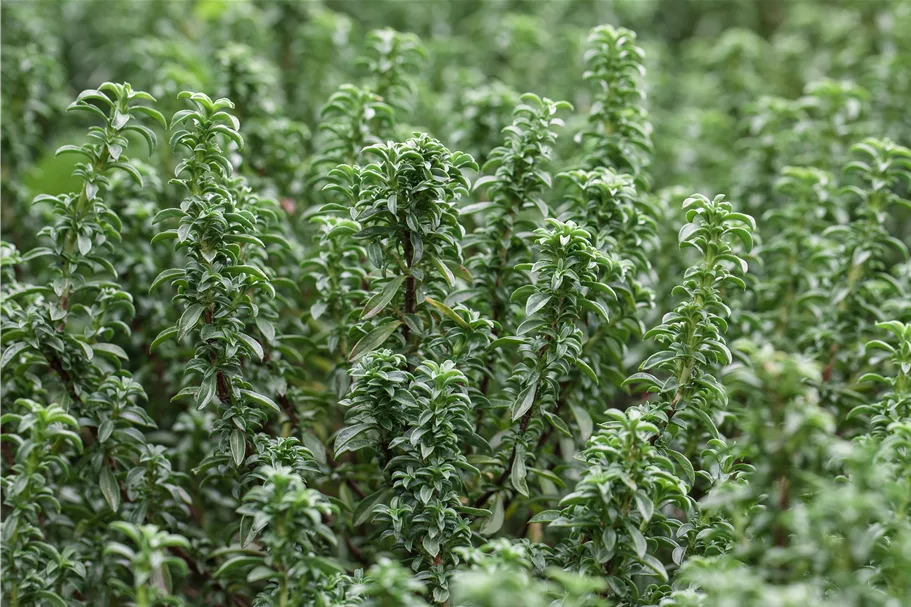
[455, 303]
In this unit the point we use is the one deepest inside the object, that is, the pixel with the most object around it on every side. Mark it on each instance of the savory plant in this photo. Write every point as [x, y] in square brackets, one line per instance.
[385, 325]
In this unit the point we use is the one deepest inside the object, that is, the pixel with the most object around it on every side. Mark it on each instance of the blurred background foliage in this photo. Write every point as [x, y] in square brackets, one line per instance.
[710, 66]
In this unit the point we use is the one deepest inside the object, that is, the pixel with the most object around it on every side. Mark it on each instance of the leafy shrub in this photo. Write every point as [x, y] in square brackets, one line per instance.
[401, 304]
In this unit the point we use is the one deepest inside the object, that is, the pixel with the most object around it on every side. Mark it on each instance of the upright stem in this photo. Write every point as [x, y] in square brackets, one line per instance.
[410, 283]
[70, 244]
[142, 597]
[509, 466]
[283, 591]
[781, 536]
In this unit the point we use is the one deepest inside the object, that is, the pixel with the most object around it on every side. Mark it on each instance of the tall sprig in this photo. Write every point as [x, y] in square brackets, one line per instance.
[405, 205]
[692, 335]
[216, 286]
[392, 61]
[616, 514]
[426, 514]
[516, 179]
[623, 226]
[85, 229]
[618, 126]
[568, 283]
[894, 406]
[34, 569]
[862, 261]
[68, 327]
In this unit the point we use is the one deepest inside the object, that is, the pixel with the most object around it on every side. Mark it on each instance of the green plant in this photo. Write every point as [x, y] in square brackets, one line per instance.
[425, 514]
[149, 563]
[312, 354]
[36, 570]
[518, 181]
[405, 205]
[215, 287]
[618, 125]
[569, 274]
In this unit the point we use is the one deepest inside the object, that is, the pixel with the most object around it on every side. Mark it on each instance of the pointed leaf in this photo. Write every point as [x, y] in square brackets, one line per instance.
[373, 340]
[378, 302]
[238, 446]
[448, 313]
[260, 399]
[109, 488]
[519, 472]
[188, 320]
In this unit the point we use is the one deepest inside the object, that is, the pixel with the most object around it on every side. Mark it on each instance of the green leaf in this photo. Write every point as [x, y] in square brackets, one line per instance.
[11, 352]
[474, 512]
[495, 522]
[657, 359]
[261, 573]
[522, 293]
[349, 432]
[558, 424]
[245, 269]
[546, 516]
[519, 472]
[245, 239]
[431, 544]
[448, 313]
[105, 430]
[641, 378]
[707, 421]
[685, 464]
[188, 320]
[597, 308]
[872, 377]
[252, 344]
[166, 235]
[645, 506]
[655, 565]
[744, 235]
[524, 401]
[111, 350]
[326, 565]
[583, 366]
[166, 275]
[164, 336]
[206, 390]
[475, 207]
[378, 302]
[425, 493]
[507, 341]
[238, 446]
[584, 421]
[260, 399]
[444, 271]
[166, 214]
[51, 597]
[535, 302]
[639, 543]
[878, 344]
[84, 243]
[548, 475]
[238, 562]
[266, 328]
[109, 488]
[373, 340]
[687, 231]
[364, 509]
[36, 253]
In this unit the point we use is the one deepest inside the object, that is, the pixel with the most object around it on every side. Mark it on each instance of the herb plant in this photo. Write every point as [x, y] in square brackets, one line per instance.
[389, 304]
